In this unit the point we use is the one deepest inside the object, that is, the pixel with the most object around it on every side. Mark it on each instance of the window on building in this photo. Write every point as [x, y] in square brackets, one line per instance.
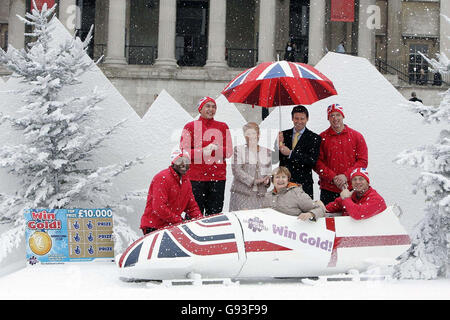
[299, 29]
[241, 36]
[84, 23]
[143, 37]
[418, 66]
[4, 36]
[191, 33]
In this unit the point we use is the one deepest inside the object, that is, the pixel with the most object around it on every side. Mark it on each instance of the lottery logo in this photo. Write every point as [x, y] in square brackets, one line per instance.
[40, 243]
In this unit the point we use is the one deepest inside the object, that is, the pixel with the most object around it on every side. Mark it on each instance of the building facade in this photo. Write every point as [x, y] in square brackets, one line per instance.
[192, 48]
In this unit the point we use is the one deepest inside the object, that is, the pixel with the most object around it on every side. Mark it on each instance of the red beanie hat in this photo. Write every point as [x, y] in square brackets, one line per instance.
[335, 108]
[178, 154]
[360, 172]
[203, 101]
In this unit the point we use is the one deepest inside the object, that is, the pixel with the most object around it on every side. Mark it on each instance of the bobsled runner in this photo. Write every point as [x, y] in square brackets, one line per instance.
[263, 243]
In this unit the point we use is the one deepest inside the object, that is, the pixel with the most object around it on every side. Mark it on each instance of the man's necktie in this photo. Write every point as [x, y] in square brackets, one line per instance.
[294, 143]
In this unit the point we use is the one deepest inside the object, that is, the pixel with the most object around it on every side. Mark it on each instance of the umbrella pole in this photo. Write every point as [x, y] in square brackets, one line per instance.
[279, 118]
[279, 107]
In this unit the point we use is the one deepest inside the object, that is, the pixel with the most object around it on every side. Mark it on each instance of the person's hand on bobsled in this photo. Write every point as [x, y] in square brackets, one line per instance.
[306, 216]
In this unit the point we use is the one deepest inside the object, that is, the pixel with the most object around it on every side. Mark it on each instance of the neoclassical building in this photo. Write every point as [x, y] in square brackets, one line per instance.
[192, 48]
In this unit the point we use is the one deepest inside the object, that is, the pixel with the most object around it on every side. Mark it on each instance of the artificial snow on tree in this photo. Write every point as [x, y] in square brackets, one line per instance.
[428, 256]
[61, 134]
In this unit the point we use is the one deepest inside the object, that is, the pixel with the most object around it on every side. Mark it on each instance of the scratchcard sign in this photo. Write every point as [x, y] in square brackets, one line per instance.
[67, 235]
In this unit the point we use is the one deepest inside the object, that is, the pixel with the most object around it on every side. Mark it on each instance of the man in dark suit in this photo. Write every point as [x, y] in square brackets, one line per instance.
[299, 149]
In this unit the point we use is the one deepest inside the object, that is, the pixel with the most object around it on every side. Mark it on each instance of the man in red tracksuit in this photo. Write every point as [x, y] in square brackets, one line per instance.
[361, 203]
[169, 195]
[341, 151]
[209, 144]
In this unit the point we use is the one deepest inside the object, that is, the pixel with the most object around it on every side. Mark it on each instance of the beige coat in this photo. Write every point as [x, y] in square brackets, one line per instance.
[293, 201]
[247, 167]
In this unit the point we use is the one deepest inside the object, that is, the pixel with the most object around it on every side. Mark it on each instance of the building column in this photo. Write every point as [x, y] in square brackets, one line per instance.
[216, 34]
[394, 29]
[316, 42]
[366, 31]
[444, 45]
[116, 32]
[166, 34]
[266, 40]
[16, 28]
[68, 14]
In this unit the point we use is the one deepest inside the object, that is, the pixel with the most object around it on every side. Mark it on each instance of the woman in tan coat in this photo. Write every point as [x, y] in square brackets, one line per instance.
[289, 198]
[252, 166]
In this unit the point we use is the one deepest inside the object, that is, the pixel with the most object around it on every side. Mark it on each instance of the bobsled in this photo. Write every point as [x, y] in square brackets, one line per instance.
[263, 243]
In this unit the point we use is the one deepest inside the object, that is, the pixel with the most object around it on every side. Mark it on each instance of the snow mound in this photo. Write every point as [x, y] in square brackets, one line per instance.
[162, 127]
[130, 141]
[228, 113]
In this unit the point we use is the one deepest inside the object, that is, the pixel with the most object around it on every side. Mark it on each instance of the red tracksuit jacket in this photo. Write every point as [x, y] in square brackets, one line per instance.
[369, 205]
[200, 133]
[340, 153]
[167, 198]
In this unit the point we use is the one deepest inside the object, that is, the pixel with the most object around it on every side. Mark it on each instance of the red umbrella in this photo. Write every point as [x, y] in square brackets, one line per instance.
[279, 83]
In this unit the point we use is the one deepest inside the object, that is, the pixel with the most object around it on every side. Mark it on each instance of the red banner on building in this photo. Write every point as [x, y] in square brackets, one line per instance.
[343, 10]
[40, 3]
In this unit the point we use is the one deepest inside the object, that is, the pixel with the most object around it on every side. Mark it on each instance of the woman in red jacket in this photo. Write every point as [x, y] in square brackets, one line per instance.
[169, 195]
[361, 203]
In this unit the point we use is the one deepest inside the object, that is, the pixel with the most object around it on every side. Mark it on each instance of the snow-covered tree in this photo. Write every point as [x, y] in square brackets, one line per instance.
[428, 256]
[61, 133]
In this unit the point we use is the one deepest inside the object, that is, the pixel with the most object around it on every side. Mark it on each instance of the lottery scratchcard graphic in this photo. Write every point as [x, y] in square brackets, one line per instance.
[67, 235]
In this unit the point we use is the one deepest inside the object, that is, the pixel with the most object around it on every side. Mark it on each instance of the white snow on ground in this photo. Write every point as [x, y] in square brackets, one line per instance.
[100, 281]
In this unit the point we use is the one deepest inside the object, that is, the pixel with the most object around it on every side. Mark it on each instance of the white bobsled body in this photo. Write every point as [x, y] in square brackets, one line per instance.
[264, 243]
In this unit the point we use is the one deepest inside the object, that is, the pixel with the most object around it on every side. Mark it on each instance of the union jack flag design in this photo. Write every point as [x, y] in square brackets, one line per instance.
[183, 241]
[279, 83]
[335, 107]
[276, 70]
[362, 172]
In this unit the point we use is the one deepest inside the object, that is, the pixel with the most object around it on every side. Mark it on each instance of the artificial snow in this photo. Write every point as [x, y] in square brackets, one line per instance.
[101, 281]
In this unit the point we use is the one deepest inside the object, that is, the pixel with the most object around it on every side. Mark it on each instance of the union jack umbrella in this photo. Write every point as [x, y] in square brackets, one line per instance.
[279, 83]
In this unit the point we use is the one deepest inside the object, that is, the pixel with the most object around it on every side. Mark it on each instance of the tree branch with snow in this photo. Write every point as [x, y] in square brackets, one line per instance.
[428, 257]
[61, 134]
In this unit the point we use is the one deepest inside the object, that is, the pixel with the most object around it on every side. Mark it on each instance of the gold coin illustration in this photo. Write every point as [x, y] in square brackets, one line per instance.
[40, 243]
